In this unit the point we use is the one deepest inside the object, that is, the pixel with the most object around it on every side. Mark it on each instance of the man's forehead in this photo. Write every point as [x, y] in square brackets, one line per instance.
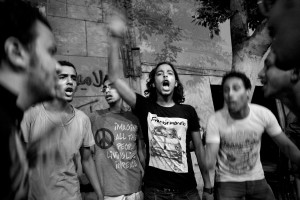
[166, 67]
[233, 80]
[65, 69]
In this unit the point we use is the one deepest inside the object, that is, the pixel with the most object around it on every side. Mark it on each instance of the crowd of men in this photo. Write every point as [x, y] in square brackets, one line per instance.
[143, 153]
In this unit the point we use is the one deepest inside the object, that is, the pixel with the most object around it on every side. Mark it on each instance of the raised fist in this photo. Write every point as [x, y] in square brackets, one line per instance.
[117, 25]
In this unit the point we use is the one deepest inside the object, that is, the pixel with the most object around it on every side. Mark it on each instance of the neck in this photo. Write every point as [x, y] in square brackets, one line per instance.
[165, 101]
[241, 114]
[116, 107]
[58, 105]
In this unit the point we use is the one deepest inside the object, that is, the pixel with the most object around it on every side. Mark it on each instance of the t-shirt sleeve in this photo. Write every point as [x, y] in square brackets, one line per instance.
[140, 104]
[193, 122]
[212, 131]
[272, 126]
[88, 139]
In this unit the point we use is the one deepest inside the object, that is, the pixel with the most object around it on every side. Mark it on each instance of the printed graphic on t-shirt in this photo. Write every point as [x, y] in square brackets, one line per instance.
[167, 143]
[120, 144]
[239, 151]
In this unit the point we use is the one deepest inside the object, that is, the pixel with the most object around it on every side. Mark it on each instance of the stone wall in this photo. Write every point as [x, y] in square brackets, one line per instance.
[81, 35]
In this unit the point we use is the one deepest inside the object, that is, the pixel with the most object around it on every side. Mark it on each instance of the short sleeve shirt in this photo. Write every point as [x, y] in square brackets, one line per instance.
[167, 131]
[240, 142]
[55, 175]
[118, 165]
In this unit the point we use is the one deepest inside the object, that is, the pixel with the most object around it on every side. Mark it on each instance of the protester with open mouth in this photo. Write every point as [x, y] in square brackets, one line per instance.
[169, 173]
[233, 141]
[59, 132]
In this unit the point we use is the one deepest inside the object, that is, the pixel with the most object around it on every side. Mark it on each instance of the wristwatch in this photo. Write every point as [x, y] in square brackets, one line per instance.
[208, 190]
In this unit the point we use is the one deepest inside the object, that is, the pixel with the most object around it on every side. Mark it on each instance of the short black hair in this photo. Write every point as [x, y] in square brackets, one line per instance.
[67, 63]
[18, 19]
[240, 75]
[150, 92]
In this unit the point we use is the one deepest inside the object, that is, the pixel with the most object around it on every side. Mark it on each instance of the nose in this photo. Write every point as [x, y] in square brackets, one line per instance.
[70, 81]
[107, 90]
[228, 94]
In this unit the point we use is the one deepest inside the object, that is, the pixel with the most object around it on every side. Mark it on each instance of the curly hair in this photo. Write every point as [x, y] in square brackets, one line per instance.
[150, 92]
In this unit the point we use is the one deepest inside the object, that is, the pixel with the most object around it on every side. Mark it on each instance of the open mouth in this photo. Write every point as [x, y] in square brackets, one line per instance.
[166, 84]
[108, 96]
[69, 91]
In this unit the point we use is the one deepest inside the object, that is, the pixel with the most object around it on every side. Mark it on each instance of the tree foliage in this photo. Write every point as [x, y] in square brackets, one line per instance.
[210, 13]
[152, 19]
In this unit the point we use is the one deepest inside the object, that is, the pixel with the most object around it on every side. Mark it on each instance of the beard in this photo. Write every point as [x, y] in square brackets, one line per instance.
[39, 81]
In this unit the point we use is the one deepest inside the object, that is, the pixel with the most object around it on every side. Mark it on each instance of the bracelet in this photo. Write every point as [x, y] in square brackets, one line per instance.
[208, 190]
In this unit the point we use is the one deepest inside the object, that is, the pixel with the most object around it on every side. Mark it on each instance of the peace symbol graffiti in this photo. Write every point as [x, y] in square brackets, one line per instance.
[104, 138]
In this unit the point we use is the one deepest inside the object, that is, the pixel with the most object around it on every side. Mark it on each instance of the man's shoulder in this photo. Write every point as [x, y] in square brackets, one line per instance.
[80, 113]
[34, 110]
[101, 112]
[131, 116]
[185, 107]
[258, 108]
[219, 114]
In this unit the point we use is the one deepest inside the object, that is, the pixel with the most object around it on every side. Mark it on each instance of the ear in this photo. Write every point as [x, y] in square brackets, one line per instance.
[248, 93]
[295, 75]
[176, 83]
[16, 53]
[153, 85]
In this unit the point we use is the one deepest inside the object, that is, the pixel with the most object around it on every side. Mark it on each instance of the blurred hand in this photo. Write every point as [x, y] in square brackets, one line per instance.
[117, 25]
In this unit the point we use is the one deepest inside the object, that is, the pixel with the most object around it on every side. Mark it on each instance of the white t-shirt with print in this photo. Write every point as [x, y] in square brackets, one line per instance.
[240, 142]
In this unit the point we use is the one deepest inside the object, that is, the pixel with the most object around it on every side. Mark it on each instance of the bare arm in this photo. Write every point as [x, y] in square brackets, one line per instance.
[140, 149]
[287, 147]
[211, 152]
[90, 170]
[141, 152]
[117, 27]
[200, 154]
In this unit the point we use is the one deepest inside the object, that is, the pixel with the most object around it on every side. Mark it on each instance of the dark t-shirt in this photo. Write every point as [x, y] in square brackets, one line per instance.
[14, 176]
[167, 131]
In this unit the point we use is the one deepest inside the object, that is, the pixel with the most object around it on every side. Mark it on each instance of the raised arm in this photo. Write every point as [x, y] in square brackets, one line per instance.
[117, 28]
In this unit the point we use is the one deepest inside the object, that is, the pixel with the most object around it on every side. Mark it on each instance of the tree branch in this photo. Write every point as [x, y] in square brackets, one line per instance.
[260, 40]
[238, 23]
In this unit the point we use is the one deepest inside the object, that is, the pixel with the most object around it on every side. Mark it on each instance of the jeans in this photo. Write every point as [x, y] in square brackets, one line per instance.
[152, 193]
[133, 196]
[256, 190]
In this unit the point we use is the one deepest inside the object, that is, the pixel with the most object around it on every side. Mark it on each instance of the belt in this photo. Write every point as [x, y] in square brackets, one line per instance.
[172, 190]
